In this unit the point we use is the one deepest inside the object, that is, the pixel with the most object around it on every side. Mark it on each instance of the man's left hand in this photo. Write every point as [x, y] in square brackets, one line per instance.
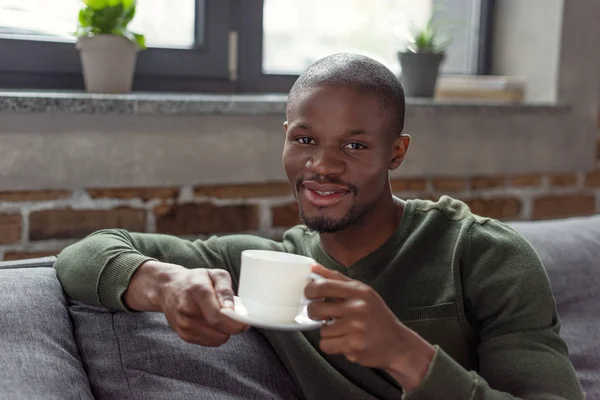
[365, 330]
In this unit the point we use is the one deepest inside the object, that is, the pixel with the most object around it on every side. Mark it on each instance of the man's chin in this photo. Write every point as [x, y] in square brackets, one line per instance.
[312, 214]
[325, 222]
[322, 225]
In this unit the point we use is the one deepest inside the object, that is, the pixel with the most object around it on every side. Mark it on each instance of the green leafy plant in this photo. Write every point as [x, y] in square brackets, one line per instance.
[108, 17]
[427, 39]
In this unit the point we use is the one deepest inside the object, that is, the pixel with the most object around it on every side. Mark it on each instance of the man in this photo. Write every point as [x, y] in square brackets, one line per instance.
[430, 301]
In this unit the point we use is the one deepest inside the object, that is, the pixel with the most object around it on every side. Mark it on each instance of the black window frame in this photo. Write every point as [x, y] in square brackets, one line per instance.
[205, 68]
[249, 22]
[46, 64]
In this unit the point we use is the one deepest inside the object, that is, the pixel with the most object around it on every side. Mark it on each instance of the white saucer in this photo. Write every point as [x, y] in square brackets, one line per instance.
[301, 323]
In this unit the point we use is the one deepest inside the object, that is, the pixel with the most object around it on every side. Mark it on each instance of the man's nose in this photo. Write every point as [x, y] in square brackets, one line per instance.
[326, 162]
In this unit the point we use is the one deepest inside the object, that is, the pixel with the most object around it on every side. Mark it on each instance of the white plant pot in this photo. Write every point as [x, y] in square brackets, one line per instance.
[108, 63]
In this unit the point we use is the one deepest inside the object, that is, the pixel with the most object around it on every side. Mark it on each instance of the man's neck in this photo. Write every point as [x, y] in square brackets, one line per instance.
[353, 243]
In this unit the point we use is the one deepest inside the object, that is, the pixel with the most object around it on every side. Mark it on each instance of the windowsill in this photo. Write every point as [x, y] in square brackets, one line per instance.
[213, 104]
[149, 139]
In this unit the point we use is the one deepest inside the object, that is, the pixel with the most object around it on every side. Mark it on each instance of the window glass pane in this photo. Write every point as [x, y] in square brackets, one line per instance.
[166, 23]
[297, 32]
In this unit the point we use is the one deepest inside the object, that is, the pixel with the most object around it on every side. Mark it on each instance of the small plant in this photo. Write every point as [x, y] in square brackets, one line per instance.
[108, 17]
[427, 39]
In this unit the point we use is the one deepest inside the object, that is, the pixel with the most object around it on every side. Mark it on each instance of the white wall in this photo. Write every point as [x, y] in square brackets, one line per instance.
[527, 44]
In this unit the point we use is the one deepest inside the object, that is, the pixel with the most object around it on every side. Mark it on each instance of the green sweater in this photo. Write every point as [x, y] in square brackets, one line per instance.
[471, 286]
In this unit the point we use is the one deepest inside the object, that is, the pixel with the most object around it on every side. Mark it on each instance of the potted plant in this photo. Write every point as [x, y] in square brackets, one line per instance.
[108, 49]
[420, 63]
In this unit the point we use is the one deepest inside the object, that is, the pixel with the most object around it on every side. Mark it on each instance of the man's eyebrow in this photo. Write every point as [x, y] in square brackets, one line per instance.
[353, 132]
[300, 125]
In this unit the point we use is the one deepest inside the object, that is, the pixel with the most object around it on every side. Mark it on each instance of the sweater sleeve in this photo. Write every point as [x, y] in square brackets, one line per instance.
[97, 270]
[520, 355]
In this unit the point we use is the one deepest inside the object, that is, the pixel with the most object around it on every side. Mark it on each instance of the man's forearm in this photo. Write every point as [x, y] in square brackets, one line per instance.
[144, 288]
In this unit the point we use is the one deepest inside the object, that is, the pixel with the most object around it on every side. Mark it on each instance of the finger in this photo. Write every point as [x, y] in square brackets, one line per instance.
[332, 345]
[203, 294]
[218, 321]
[204, 298]
[191, 331]
[328, 273]
[336, 289]
[338, 327]
[221, 324]
[204, 336]
[222, 285]
[231, 326]
[322, 311]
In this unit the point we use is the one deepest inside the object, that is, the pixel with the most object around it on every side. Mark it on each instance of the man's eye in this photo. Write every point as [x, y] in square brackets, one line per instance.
[305, 140]
[355, 146]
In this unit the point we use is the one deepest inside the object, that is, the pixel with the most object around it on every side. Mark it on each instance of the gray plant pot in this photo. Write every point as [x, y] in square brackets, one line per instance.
[419, 73]
[108, 63]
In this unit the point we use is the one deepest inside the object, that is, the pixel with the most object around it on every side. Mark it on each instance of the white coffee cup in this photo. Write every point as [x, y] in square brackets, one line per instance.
[272, 284]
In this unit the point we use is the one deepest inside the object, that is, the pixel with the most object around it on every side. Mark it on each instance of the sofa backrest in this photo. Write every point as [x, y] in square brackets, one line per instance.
[53, 348]
[570, 251]
[42, 262]
[39, 357]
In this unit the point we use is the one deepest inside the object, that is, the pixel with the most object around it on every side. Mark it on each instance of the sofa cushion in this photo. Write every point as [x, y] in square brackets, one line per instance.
[38, 353]
[137, 355]
[570, 251]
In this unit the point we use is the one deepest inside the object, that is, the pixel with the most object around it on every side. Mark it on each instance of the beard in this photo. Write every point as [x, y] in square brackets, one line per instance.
[323, 224]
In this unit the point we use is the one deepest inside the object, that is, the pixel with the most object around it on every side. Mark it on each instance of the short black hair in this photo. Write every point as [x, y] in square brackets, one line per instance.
[360, 73]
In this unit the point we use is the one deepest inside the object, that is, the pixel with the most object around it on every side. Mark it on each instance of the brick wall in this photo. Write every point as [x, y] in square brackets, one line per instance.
[43, 222]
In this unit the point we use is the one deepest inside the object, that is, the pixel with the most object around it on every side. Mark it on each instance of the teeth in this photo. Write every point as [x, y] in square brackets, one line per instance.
[324, 193]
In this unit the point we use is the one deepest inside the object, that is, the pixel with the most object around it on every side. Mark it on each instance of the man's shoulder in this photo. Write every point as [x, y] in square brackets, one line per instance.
[454, 212]
[459, 221]
[449, 208]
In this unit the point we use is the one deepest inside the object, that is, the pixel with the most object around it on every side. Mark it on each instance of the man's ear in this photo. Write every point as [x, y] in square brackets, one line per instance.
[285, 126]
[399, 149]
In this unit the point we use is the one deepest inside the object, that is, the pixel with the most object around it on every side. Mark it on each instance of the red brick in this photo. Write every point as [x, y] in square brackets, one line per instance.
[563, 180]
[34, 195]
[526, 180]
[206, 218]
[409, 185]
[592, 179]
[598, 150]
[449, 184]
[550, 207]
[75, 224]
[23, 255]
[502, 208]
[10, 228]
[274, 189]
[134, 193]
[487, 182]
[286, 216]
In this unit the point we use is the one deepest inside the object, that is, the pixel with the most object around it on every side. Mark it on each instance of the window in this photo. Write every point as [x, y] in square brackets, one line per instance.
[231, 45]
[165, 23]
[294, 33]
[38, 48]
[298, 32]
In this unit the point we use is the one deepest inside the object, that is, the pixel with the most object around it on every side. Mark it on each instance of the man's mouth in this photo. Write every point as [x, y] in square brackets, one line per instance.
[323, 195]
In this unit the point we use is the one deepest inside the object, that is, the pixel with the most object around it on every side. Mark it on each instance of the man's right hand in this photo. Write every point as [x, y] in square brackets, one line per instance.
[191, 300]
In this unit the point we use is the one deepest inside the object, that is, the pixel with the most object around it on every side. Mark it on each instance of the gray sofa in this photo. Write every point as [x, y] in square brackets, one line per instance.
[52, 348]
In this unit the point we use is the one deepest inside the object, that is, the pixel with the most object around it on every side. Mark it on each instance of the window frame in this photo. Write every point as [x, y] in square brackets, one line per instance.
[201, 68]
[253, 80]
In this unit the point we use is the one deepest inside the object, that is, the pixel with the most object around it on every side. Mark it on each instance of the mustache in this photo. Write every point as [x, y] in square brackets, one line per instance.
[325, 180]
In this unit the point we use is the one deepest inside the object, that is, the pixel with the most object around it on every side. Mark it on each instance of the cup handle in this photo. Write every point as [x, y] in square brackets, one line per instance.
[312, 277]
